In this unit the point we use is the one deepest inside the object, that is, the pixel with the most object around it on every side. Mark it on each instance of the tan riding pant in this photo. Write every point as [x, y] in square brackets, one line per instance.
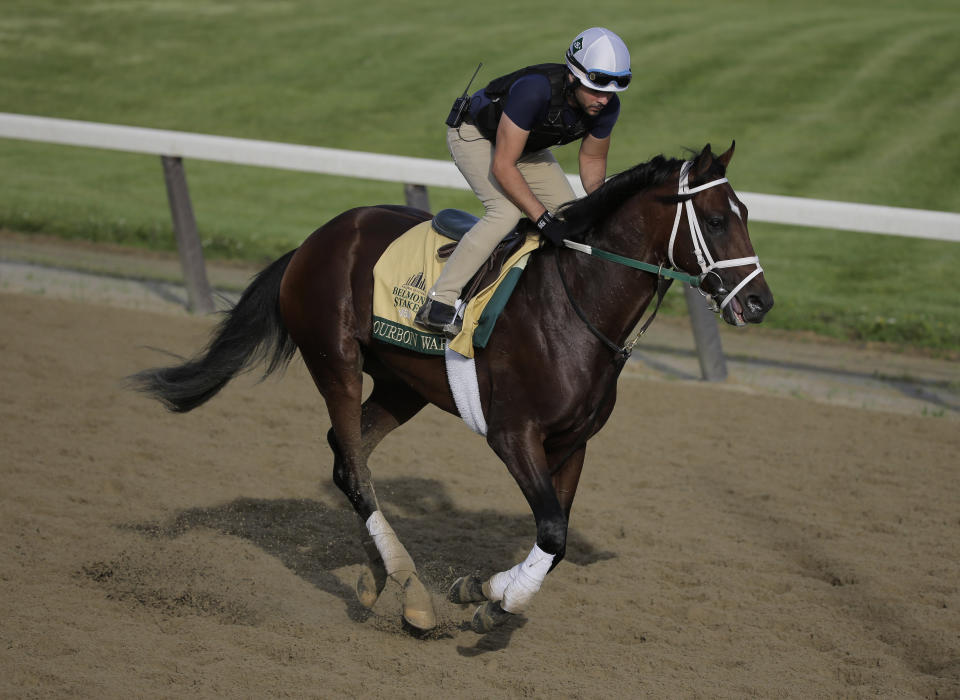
[473, 155]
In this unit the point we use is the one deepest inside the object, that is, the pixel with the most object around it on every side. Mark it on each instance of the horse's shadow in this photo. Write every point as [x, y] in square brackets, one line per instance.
[313, 539]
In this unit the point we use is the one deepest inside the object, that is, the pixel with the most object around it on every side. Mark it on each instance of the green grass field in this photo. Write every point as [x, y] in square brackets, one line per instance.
[851, 101]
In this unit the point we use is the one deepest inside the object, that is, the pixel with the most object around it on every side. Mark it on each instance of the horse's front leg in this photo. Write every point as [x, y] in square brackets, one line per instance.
[511, 591]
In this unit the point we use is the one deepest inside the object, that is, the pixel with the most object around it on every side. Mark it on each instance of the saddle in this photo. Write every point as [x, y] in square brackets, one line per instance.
[454, 224]
[410, 265]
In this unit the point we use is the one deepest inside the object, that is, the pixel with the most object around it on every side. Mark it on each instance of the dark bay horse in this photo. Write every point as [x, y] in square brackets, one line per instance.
[546, 379]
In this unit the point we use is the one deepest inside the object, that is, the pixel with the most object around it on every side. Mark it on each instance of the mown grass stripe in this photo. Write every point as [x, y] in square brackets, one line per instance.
[848, 100]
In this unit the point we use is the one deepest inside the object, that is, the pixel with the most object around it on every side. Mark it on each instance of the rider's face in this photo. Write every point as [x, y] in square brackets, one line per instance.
[591, 101]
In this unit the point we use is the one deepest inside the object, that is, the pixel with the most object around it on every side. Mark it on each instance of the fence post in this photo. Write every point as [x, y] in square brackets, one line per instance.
[706, 336]
[416, 196]
[199, 294]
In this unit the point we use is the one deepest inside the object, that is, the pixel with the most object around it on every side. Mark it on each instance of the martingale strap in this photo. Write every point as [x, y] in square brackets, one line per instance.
[620, 357]
[663, 284]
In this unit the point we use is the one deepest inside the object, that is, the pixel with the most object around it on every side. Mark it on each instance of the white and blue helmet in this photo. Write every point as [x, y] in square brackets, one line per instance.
[600, 60]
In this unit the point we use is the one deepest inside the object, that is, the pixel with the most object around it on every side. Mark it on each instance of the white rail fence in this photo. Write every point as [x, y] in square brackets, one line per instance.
[917, 223]
[417, 174]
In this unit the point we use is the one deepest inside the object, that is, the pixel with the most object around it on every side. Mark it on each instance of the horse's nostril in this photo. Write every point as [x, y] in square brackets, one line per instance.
[754, 304]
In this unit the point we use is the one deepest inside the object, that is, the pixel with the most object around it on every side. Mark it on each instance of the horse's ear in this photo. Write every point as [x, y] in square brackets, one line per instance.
[702, 163]
[725, 158]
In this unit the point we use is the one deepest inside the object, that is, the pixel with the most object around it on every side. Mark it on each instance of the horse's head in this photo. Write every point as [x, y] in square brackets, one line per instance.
[712, 240]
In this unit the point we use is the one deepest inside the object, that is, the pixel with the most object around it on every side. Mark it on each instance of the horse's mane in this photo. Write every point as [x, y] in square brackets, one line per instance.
[583, 214]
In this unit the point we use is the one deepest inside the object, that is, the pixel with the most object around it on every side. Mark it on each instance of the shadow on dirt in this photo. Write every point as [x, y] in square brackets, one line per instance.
[314, 539]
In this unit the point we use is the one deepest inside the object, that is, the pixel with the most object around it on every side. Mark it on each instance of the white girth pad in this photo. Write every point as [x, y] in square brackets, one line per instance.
[515, 588]
[394, 555]
[462, 376]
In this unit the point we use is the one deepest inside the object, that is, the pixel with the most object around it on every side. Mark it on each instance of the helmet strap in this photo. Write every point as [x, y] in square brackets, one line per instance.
[569, 86]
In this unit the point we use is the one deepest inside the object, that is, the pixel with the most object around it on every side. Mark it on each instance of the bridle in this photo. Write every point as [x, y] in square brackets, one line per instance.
[705, 260]
[708, 266]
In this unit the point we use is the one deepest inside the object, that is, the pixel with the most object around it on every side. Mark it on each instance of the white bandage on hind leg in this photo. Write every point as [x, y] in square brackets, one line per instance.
[515, 588]
[394, 555]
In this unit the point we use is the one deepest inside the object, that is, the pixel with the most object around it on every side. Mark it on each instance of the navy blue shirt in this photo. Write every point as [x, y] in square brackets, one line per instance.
[529, 99]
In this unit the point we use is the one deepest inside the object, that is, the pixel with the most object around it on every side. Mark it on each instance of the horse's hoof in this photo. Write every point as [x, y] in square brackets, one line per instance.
[488, 616]
[417, 605]
[367, 589]
[466, 589]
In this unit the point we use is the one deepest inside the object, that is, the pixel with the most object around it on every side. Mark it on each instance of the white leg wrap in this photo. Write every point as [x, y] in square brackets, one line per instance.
[394, 555]
[515, 588]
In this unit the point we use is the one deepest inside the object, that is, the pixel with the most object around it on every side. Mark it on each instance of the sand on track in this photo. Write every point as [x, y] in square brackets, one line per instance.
[723, 543]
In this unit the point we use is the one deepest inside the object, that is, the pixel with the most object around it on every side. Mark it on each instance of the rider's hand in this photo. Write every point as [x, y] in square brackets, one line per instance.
[553, 230]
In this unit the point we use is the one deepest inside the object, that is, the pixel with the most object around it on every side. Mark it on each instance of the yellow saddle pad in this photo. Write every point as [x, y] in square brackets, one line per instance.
[404, 273]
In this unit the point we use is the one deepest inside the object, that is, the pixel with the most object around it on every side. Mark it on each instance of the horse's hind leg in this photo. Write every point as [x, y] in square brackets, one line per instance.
[356, 431]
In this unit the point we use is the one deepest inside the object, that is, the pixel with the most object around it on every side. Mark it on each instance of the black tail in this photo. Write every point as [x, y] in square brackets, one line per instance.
[251, 333]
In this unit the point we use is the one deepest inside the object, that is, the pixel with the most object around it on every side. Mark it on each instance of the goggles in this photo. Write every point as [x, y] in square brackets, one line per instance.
[602, 78]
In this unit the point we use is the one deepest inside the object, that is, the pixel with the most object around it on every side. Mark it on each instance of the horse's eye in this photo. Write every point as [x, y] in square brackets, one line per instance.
[715, 224]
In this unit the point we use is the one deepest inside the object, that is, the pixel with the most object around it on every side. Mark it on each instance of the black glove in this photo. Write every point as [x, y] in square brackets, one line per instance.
[552, 229]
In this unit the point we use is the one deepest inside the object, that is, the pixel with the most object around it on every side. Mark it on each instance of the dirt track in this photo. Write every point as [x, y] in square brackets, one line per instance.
[724, 544]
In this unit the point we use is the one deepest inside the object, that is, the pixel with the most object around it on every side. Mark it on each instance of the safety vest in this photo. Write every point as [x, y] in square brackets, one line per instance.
[550, 131]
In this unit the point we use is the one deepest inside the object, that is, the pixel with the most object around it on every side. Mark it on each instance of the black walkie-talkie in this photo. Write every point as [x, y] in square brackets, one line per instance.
[460, 105]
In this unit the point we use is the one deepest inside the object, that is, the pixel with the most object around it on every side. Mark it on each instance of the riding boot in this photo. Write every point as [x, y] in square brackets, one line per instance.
[440, 318]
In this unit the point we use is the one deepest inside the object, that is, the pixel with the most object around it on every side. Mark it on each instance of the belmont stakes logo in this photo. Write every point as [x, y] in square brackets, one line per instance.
[410, 296]
[407, 300]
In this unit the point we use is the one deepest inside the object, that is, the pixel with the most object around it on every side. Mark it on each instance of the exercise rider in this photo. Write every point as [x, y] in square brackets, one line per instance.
[502, 147]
